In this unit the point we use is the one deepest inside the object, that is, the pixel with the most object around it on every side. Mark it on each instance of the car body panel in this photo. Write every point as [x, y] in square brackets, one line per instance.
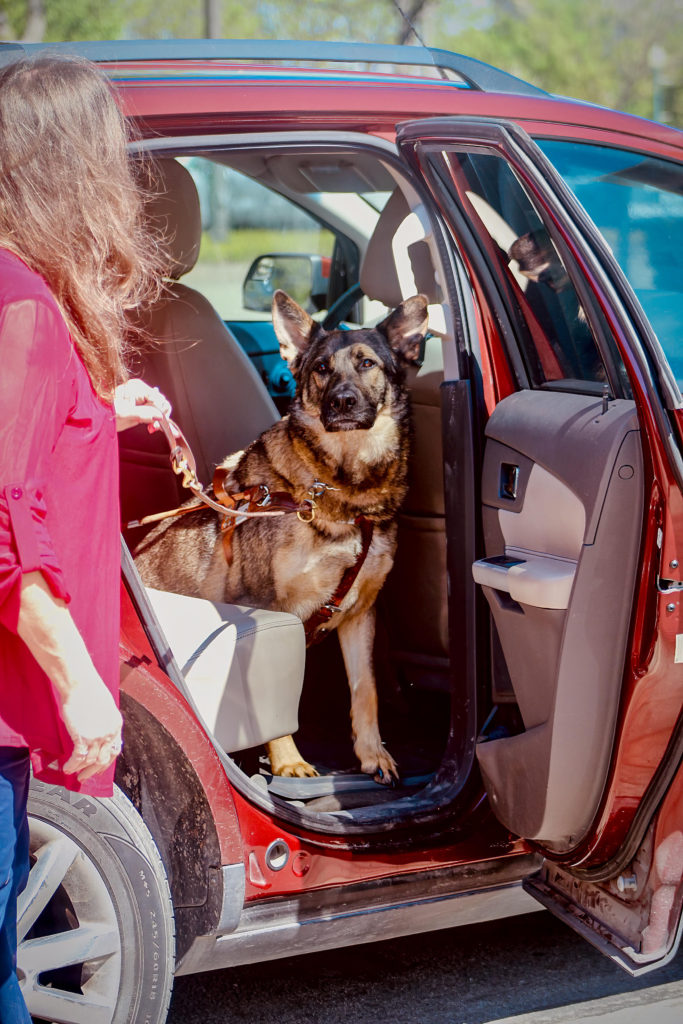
[354, 914]
[144, 682]
[636, 918]
[159, 105]
[318, 862]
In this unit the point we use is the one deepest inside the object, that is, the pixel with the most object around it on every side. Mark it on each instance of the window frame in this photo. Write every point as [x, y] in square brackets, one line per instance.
[499, 292]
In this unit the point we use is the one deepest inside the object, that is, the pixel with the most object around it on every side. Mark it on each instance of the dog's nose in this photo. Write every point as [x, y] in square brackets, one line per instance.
[343, 401]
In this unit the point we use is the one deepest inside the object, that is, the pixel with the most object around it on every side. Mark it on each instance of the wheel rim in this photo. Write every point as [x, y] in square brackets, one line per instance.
[69, 955]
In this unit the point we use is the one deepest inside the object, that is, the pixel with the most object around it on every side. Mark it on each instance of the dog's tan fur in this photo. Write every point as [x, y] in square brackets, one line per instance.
[348, 428]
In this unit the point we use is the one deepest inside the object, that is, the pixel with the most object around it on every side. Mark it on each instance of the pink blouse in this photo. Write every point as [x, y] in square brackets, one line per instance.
[58, 513]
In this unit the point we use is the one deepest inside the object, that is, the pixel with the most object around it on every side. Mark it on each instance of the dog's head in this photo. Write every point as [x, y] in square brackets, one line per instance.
[345, 377]
[538, 260]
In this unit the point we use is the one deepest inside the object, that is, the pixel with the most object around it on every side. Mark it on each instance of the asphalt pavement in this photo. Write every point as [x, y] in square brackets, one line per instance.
[524, 970]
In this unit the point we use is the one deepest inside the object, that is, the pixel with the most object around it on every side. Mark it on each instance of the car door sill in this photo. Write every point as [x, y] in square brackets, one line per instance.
[383, 909]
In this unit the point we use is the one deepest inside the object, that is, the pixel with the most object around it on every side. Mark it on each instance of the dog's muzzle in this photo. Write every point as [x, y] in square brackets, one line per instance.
[345, 408]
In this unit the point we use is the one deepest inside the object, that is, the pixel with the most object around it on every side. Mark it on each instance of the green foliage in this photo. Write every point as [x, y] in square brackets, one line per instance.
[245, 244]
[65, 19]
[185, 19]
[596, 50]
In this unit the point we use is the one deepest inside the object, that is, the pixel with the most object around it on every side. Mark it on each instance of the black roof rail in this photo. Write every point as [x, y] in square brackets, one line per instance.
[475, 73]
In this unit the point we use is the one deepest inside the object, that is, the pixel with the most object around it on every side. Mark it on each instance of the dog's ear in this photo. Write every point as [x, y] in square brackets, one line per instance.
[292, 324]
[406, 327]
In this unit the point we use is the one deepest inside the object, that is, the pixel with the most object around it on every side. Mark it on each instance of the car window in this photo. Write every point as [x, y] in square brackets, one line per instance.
[243, 220]
[555, 336]
[637, 203]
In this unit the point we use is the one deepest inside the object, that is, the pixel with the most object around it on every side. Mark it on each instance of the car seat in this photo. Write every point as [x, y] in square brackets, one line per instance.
[218, 398]
[398, 264]
[243, 666]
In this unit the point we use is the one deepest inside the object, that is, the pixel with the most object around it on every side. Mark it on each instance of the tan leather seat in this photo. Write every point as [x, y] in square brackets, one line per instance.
[398, 264]
[218, 398]
[243, 666]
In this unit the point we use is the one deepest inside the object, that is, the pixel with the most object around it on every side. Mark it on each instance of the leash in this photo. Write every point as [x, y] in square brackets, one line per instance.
[184, 465]
[256, 502]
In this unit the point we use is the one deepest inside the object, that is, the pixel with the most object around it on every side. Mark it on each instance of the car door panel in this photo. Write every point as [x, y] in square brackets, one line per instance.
[581, 518]
[572, 533]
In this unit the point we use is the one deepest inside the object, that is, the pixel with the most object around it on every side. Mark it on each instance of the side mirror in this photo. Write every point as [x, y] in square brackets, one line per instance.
[304, 277]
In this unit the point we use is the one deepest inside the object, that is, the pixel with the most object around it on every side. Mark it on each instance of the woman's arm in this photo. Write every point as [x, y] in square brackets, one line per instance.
[87, 708]
[45, 625]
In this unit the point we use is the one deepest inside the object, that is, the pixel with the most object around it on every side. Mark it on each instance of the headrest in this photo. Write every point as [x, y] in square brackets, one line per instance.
[174, 210]
[397, 261]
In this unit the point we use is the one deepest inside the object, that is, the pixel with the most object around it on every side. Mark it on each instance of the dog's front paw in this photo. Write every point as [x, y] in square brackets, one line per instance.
[378, 762]
[299, 770]
[286, 761]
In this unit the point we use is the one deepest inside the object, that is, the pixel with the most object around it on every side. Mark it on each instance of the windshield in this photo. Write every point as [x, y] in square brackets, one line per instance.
[637, 203]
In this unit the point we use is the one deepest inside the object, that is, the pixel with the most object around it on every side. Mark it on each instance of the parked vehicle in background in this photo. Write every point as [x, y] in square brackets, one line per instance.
[530, 636]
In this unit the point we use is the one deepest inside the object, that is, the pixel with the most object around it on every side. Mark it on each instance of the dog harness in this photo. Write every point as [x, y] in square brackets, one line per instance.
[258, 497]
[315, 626]
[257, 501]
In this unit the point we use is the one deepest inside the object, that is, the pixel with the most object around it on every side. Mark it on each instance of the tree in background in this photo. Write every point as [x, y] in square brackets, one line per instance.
[597, 50]
[620, 53]
[51, 20]
[35, 21]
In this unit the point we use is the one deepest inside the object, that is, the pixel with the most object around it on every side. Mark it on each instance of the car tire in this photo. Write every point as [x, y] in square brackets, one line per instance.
[95, 922]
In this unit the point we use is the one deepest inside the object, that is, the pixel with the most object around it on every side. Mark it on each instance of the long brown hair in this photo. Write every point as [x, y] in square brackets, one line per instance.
[70, 207]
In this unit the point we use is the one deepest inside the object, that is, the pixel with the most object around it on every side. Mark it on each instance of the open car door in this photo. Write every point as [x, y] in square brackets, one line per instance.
[581, 517]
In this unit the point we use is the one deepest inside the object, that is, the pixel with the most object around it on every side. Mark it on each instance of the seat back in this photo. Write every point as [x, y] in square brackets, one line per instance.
[397, 264]
[218, 398]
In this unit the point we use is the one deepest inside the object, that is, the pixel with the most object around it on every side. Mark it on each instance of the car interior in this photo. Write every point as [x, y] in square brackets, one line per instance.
[246, 669]
[549, 528]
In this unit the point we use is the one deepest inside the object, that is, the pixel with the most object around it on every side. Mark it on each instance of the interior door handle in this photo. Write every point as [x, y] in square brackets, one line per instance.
[509, 479]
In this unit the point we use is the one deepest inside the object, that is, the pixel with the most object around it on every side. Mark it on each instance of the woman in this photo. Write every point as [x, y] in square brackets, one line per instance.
[73, 261]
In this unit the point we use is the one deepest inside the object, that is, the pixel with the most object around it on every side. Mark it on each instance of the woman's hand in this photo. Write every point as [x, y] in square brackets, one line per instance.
[136, 402]
[94, 723]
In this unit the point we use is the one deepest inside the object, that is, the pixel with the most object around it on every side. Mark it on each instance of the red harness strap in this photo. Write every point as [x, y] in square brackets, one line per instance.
[314, 626]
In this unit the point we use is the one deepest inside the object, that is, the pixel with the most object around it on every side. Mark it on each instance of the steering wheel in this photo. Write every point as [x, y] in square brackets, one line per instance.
[342, 306]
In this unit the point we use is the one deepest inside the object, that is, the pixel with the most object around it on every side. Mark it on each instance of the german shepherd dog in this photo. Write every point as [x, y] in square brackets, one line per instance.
[346, 440]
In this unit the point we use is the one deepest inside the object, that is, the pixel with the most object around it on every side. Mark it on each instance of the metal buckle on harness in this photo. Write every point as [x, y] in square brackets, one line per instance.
[181, 467]
[264, 498]
[318, 488]
[307, 514]
[178, 460]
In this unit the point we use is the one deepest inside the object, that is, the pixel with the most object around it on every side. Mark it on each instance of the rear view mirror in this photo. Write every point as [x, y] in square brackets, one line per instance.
[304, 277]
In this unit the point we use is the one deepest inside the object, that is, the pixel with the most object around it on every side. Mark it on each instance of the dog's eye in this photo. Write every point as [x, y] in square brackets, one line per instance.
[367, 363]
[321, 367]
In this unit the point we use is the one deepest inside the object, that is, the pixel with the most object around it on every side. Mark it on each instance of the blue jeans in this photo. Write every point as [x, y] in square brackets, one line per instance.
[14, 777]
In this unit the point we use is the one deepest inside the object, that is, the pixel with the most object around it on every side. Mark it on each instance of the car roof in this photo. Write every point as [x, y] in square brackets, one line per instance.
[471, 73]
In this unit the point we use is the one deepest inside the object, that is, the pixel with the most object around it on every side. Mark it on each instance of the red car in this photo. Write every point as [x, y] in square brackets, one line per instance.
[530, 636]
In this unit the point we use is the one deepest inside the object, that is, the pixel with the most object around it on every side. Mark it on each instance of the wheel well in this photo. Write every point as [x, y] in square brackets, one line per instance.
[159, 780]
